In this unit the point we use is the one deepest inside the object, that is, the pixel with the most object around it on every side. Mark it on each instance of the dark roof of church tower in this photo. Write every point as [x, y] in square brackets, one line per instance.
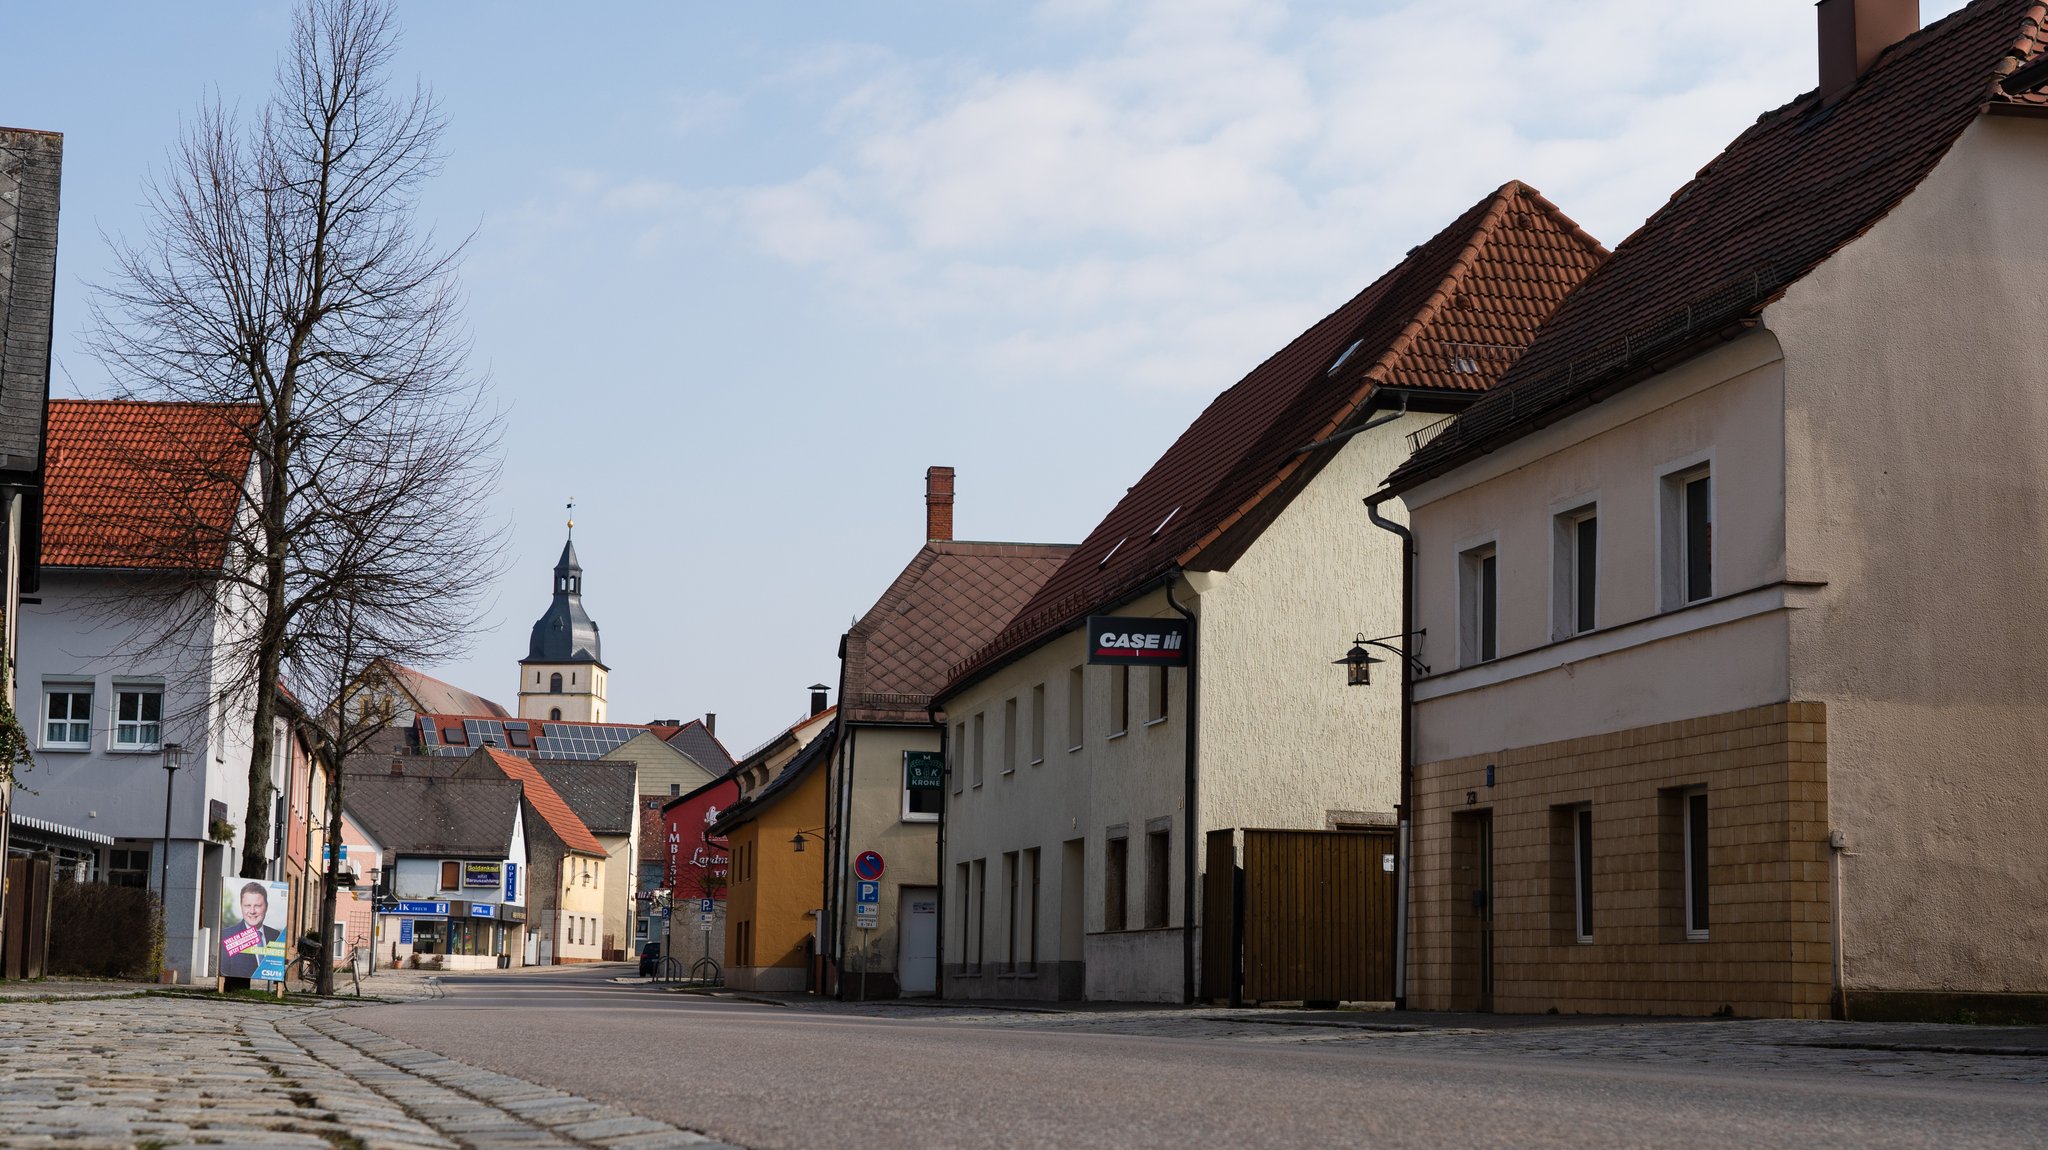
[566, 633]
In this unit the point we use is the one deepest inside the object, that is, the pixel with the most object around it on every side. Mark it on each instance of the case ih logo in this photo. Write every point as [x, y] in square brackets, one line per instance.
[1120, 640]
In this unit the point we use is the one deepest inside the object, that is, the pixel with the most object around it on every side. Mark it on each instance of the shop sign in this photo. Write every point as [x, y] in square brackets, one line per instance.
[483, 910]
[420, 909]
[482, 874]
[510, 913]
[405, 931]
[924, 770]
[1122, 640]
[511, 881]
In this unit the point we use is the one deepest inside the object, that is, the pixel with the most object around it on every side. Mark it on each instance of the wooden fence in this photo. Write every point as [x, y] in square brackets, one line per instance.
[1308, 917]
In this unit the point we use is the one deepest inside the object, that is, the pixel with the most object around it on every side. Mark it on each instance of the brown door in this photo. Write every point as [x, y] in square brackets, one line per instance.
[1472, 945]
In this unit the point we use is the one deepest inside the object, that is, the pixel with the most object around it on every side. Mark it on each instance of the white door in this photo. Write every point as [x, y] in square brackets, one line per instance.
[917, 960]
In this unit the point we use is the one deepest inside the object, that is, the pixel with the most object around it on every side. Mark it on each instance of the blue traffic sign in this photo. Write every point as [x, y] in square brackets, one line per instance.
[706, 906]
[868, 865]
[865, 891]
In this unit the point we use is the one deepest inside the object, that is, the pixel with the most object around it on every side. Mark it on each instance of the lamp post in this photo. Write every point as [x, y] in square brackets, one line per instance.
[173, 753]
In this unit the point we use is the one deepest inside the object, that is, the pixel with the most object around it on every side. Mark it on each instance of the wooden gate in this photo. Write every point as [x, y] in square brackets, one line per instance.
[1313, 913]
[25, 936]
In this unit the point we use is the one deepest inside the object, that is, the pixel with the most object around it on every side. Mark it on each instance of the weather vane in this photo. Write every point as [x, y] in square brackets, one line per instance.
[572, 515]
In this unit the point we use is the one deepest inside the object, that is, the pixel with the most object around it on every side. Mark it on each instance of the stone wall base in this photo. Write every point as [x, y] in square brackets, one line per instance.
[1948, 1006]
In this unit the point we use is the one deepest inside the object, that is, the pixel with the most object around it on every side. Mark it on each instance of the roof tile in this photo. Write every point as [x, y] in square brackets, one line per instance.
[142, 486]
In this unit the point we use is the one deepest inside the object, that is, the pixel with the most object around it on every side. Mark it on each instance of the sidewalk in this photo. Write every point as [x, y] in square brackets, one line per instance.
[117, 1066]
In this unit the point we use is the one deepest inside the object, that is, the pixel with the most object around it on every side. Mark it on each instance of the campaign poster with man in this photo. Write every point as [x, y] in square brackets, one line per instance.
[252, 914]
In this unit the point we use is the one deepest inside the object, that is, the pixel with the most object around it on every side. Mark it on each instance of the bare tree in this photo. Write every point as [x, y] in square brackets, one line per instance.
[287, 282]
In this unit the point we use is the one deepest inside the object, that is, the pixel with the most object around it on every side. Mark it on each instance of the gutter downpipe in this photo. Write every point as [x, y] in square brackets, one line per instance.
[1372, 511]
[945, 788]
[1188, 823]
[836, 865]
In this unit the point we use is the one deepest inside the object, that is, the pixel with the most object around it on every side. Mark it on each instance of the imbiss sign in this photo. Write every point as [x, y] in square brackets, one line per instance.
[1118, 640]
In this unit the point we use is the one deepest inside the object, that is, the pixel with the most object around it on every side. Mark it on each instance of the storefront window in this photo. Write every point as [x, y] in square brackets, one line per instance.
[429, 936]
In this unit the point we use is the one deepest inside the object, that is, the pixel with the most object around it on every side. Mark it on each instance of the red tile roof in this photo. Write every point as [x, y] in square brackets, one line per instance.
[951, 599]
[1446, 321]
[546, 802]
[143, 486]
[1794, 188]
[435, 697]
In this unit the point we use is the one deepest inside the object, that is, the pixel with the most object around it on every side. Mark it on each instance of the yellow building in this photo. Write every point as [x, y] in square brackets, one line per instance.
[778, 869]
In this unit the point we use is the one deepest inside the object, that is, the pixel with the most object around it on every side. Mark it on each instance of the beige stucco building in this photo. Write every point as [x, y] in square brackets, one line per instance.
[1762, 741]
[951, 599]
[1078, 793]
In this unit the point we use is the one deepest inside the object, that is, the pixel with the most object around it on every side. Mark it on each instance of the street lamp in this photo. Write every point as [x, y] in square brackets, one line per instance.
[797, 843]
[1357, 662]
[174, 755]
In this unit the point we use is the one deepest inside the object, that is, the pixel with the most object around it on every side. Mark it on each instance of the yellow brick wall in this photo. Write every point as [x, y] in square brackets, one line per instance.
[1768, 950]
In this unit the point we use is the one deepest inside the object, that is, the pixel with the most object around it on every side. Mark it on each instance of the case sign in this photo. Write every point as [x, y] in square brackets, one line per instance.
[483, 874]
[924, 770]
[1122, 640]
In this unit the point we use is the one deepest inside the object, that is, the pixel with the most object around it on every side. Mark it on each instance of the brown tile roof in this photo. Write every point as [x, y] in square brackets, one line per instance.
[424, 815]
[950, 600]
[1446, 321]
[435, 697]
[142, 486]
[1794, 188]
[695, 740]
[545, 800]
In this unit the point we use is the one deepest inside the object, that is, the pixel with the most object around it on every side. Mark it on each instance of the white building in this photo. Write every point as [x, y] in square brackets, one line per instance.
[1079, 793]
[139, 495]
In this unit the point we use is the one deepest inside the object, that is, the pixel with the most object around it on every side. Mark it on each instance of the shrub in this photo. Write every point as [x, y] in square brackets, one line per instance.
[102, 931]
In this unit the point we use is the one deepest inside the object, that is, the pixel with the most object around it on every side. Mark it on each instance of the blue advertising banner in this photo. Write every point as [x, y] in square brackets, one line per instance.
[405, 931]
[511, 882]
[420, 909]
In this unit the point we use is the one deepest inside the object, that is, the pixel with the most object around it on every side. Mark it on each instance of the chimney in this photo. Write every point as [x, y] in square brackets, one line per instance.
[938, 504]
[711, 723]
[818, 697]
[398, 768]
[1853, 33]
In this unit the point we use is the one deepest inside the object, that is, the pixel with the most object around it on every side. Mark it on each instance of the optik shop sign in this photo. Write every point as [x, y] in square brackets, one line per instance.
[1121, 640]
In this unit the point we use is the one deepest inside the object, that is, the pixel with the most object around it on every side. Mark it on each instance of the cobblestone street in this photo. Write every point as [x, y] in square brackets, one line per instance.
[160, 1070]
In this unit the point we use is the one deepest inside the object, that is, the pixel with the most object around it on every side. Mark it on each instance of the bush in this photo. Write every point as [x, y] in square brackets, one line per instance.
[102, 931]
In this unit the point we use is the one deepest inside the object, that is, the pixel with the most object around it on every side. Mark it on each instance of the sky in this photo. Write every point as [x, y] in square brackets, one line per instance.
[738, 273]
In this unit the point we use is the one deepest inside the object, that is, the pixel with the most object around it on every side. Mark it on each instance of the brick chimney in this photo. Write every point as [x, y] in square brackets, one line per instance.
[938, 504]
[1853, 33]
[711, 723]
[398, 768]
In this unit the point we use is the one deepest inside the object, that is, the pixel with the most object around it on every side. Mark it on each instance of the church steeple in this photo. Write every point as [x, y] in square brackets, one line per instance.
[563, 674]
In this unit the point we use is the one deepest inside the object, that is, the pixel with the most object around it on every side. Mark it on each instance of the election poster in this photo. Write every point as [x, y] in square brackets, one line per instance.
[252, 918]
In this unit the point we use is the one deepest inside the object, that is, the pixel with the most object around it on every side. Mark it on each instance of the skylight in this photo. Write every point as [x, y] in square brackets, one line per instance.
[1346, 357]
[1164, 522]
[1111, 555]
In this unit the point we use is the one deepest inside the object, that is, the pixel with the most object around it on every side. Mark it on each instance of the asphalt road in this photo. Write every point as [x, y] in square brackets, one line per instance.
[765, 1076]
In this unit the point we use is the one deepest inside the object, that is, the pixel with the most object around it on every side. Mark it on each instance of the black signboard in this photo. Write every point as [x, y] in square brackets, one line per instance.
[1120, 640]
[924, 770]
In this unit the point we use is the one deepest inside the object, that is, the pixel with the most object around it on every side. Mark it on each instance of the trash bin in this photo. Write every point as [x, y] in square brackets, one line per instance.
[504, 961]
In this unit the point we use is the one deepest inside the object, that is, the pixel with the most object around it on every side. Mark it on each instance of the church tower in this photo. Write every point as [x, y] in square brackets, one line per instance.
[563, 674]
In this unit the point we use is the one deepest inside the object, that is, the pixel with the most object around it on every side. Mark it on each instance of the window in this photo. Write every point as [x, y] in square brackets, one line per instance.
[138, 718]
[1577, 551]
[1119, 700]
[1155, 695]
[67, 710]
[340, 937]
[128, 867]
[979, 746]
[919, 806]
[555, 713]
[1158, 875]
[966, 871]
[1479, 605]
[1010, 909]
[1115, 872]
[1038, 724]
[451, 875]
[1009, 736]
[1695, 814]
[978, 922]
[1688, 545]
[959, 755]
[1076, 700]
[1030, 919]
[1582, 872]
[555, 683]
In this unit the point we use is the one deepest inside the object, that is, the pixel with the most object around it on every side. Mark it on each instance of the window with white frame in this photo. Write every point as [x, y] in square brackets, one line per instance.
[1576, 546]
[1693, 808]
[67, 716]
[1582, 872]
[1076, 701]
[919, 804]
[959, 756]
[1155, 695]
[978, 746]
[1479, 605]
[138, 718]
[1010, 735]
[1688, 544]
[1038, 724]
